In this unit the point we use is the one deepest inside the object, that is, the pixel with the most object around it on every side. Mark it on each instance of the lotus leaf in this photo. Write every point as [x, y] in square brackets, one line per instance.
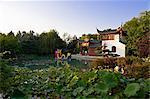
[131, 89]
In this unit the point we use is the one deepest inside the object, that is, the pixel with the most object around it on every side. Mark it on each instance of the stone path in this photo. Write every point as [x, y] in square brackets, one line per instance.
[83, 57]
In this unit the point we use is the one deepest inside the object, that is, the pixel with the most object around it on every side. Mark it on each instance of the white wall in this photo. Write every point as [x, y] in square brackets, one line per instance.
[120, 47]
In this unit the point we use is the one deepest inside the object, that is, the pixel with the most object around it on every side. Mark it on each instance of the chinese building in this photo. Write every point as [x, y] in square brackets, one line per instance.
[111, 42]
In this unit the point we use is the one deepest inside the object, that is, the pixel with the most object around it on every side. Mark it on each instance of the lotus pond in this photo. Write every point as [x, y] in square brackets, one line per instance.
[46, 62]
[46, 78]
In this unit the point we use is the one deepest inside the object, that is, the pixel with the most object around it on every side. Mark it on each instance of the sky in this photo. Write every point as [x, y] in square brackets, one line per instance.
[75, 17]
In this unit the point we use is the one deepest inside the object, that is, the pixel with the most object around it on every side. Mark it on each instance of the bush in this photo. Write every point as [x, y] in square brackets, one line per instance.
[6, 74]
[138, 70]
[103, 63]
[134, 67]
[121, 61]
[133, 60]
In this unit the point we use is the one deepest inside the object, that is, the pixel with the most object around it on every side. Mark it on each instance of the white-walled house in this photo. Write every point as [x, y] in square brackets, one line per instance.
[112, 41]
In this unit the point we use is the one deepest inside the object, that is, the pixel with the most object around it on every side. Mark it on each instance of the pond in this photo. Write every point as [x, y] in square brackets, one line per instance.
[46, 63]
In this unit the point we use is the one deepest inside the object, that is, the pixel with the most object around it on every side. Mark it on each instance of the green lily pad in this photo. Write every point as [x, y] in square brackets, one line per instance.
[131, 89]
[101, 87]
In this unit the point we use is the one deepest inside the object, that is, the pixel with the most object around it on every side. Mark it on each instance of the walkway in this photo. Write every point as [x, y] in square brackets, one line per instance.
[83, 57]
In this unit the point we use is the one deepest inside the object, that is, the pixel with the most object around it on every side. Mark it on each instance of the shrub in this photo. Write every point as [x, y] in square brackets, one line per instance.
[133, 66]
[133, 60]
[6, 74]
[136, 67]
[104, 62]
[121, 61]
[138, 70]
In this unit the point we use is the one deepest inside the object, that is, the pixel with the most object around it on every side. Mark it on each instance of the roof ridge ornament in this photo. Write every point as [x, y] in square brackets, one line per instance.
[97, 30]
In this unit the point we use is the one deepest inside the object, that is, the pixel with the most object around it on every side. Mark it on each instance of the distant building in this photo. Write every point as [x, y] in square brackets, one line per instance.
[88, 46]
[111, 42]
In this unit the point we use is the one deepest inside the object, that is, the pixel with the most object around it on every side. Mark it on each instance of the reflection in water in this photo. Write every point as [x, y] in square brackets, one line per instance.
[73, 63]
[36, 64]
[61, 63]
[86, 62]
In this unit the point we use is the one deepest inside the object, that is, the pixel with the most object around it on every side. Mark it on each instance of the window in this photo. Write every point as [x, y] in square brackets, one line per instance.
[113, 48]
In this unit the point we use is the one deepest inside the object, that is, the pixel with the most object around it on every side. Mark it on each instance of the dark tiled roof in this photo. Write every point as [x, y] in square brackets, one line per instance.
[94, 45]
[95, 41]
[112, 31]
[92, 41]
[109, 32]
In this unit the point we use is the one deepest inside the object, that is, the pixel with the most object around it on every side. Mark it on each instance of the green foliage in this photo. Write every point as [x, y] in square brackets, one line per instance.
[78, 91]
[101, 88]
[67, 82]
[6, 73]
[9, 43]
[29, 43]
[88, 36]
[136, 28]
[73, 47]
[50, 41]
[131, 89]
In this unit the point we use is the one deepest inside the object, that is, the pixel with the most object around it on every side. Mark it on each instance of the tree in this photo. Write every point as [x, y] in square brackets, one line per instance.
[2, 41]
[29, 43]
[49, 42]
[72, 46]
[9, 43]
[144, 45]
[136, 28]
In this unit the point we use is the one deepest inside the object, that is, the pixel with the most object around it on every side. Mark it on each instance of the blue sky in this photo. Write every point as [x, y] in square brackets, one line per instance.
[74, 17]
